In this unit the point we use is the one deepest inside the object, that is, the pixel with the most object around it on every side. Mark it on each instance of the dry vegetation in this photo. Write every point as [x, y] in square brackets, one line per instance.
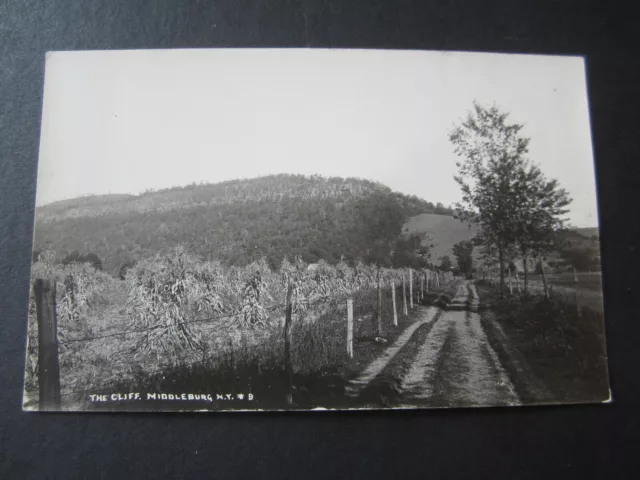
[178, 321]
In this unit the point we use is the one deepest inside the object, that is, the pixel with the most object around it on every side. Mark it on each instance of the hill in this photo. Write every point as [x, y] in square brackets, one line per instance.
[237, 222]
[240, 221]
[441, 232]
[96, 201]
[578, 247]
[588, 232]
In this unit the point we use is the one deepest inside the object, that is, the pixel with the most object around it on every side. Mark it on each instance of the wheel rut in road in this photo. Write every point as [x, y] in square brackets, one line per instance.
[453, 364]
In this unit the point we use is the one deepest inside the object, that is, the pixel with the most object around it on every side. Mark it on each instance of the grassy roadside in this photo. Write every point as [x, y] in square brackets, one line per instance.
[384, 390]
[366, 349]
[552, 354]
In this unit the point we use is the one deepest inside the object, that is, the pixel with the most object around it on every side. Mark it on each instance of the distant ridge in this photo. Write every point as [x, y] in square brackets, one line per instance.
[241, 221]
[588, 231]
[443, 231]
[266, 188]
[87, 200]
[238, 221]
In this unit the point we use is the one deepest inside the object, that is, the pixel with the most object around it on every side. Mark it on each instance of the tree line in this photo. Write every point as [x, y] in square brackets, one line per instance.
[351, 221]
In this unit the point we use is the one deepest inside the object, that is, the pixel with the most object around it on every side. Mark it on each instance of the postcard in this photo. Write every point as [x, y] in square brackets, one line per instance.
[314, 229]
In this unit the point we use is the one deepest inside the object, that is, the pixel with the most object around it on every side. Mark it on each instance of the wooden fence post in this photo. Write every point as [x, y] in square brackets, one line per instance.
[575, 287]
[544, 281]
[404, 296]
[350, 327]
[411, 287]
[393, 300]
[379, 323]
[510, 284]
[48, 366]
[518, 282]
[288, 368]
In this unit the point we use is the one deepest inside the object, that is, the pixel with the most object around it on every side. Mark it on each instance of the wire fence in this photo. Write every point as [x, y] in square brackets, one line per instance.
[318, 339]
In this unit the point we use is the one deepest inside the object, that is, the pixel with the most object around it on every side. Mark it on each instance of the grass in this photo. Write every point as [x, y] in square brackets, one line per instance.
[586, 281]
[564, 350]
[443, 231]
[385, 390]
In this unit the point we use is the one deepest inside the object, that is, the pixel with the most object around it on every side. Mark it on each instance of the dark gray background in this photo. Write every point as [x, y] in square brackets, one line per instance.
[569, 442]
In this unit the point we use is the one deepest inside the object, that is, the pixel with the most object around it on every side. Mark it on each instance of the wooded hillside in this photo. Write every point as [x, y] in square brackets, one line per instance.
[240, 221]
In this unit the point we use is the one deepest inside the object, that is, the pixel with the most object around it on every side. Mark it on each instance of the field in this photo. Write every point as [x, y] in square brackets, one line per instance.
[586, 280]
[179, 323]
[441, 231]
[585, 293]
[561, 353]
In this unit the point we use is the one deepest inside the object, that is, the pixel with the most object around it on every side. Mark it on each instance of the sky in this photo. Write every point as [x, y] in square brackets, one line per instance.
[128, 121]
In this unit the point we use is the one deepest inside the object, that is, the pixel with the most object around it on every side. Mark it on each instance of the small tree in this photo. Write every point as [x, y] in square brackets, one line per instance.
[128, 265]
[73, 257]
[492, 153]
[463, 251]
[542, 204]
[511, 201]
[93, 259]
[445, 263]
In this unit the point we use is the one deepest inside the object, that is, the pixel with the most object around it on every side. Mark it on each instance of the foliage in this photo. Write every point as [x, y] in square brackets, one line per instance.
[538, 268]
[90, 258]
[463, 252]
[576, 251]
[542, 203]
[408, 251]
[125, 268]
[445, 264]
[509, 198]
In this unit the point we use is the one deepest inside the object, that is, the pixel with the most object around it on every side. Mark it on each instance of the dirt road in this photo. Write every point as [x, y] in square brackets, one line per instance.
[448, 361]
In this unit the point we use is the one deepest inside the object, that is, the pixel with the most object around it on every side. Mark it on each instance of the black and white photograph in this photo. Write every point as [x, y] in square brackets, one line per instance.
[314, 229]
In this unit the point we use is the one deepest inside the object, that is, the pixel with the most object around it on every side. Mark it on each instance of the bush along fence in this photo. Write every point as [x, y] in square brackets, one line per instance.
[182, 312]
[577, 289]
